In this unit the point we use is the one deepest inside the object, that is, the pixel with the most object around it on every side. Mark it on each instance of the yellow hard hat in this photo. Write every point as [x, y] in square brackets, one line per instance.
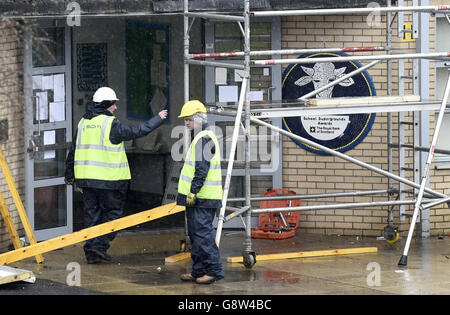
[192, 107]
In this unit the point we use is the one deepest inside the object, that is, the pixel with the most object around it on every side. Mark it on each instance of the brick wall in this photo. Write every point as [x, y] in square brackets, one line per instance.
[309, 173]
[11, 108]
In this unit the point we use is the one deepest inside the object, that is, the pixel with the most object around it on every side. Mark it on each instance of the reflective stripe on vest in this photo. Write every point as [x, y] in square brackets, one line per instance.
[212, 186]
[95, 156]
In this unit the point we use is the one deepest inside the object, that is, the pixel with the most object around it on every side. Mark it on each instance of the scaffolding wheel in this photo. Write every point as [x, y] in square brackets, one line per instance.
[391, 234]
[249, 259]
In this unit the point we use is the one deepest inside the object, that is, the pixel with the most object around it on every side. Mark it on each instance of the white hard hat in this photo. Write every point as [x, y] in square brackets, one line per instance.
[104, 94]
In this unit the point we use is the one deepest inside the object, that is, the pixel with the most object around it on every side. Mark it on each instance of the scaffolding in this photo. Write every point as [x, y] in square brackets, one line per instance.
[425, 198]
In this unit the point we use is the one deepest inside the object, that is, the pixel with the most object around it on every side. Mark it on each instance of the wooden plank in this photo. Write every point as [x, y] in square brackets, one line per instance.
[327, 252]
[19, 205]
[9, 223]
[178, 257]
[365, 100]
[88, 233]
[10, 274]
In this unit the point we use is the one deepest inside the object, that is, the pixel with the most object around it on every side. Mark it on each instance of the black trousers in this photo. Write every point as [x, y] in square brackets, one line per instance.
[204, 252]
[100, 206]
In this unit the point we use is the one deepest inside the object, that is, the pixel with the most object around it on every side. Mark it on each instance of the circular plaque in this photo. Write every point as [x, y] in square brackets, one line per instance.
[337, 132]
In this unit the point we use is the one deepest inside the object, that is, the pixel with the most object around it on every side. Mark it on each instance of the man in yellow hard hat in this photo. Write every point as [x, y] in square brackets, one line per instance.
[200, 190]
[97, 163]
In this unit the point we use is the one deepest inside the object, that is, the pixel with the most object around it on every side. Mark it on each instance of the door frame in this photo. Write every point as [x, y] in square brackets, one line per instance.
[30, 127]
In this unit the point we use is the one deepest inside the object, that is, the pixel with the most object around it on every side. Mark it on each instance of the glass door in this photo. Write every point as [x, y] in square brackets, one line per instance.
[48, 128]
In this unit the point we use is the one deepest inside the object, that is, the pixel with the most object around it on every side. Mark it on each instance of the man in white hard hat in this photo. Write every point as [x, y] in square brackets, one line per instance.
[97, 163]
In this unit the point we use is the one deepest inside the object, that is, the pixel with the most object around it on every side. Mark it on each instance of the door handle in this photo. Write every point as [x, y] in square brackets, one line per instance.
[31, 148]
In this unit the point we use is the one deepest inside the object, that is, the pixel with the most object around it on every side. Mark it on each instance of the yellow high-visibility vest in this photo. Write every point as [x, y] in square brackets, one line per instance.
[95, 156]
[212, 186]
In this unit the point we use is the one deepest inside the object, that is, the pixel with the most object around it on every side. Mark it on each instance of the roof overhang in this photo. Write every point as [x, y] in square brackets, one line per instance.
[164, 6]
[26, 8]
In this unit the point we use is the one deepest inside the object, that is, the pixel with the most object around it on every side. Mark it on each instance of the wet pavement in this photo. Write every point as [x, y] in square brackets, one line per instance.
[138, 267]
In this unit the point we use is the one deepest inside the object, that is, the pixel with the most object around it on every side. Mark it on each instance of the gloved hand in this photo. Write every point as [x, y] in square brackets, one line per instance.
[190, 199]
[78, 188]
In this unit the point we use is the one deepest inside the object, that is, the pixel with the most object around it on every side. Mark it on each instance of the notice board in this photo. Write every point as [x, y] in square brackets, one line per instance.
[92, 66]
[147, 59]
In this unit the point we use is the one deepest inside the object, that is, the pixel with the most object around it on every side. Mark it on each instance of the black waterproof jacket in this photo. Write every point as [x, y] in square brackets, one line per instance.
[119, 132]
[204, 151]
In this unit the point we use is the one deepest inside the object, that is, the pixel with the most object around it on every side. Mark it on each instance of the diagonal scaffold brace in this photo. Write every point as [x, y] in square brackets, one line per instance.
[226, 188]
[89, 233]
[404, 258]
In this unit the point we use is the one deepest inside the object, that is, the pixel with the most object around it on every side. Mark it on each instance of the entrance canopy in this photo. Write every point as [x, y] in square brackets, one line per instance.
[24, 8]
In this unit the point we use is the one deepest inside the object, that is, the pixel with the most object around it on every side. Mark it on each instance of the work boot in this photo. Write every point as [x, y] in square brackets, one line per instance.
[93, 259]
[187, 277]
[205, 279]
[100, 254]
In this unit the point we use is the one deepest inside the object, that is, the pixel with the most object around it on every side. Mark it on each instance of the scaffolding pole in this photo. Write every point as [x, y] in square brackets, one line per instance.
[429, 9]
[437, 56]
[337, 81]
[248, 254]
[335, 206]
[404, 259]
[251, 116]
[313, 196]
[345, 157]
[186, 134]
[285, 52]
[226, 187]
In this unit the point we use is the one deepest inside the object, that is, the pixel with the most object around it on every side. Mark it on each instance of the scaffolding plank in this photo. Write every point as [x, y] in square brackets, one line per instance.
[316, 253]
[178, 257]
[19, 205]
[9, 223]
[364, 100]
[344, 109]
[10, 274]
[88, 233]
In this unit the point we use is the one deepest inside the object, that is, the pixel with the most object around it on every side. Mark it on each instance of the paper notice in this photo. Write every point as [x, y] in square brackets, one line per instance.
[49, 139]
[238, 75]
[158, 102]
[256, 96]
[59, 91]
[57, 111]
[228, 93]
[47, 82]
[162, 74]
[37, 82]
[221, 76]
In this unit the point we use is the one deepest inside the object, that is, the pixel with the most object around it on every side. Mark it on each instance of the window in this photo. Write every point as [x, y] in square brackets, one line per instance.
[48, 47]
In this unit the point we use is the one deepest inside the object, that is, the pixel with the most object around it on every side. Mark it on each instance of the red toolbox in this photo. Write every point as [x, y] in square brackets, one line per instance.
[277, 225]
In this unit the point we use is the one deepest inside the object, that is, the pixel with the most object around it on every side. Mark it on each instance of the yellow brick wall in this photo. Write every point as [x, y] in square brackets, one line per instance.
[309, 173]
[11, 108]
